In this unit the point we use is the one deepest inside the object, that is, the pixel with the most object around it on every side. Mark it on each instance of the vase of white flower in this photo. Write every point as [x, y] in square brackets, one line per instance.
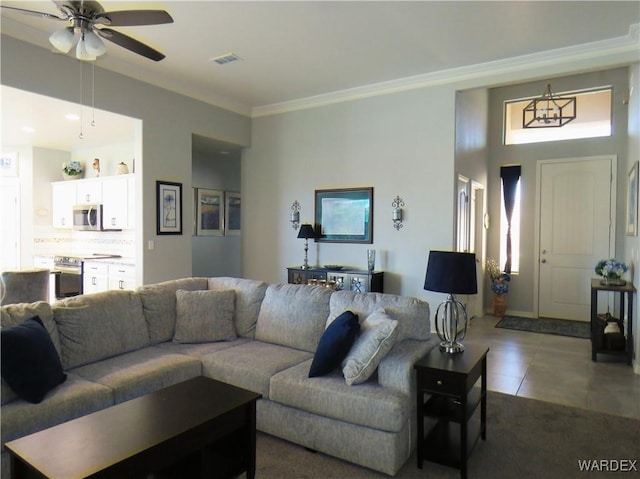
[72, 170]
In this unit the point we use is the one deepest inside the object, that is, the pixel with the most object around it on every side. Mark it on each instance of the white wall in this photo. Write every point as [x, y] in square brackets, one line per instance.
[393, 143]
[631, 244]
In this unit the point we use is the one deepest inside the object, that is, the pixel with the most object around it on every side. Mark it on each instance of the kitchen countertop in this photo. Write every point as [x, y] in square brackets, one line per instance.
[120, 260]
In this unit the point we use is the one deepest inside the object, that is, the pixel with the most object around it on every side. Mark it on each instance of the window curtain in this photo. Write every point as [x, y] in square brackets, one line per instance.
[510, 176]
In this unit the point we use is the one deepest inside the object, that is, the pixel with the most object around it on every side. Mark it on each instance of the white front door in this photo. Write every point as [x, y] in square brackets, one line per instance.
[576, 207]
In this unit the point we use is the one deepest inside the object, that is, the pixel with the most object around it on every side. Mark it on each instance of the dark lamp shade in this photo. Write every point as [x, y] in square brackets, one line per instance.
[451, 272]
[306, 231]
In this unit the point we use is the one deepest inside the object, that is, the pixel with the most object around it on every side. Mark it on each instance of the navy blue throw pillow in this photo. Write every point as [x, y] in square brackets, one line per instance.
[335, 343]
[30, 363]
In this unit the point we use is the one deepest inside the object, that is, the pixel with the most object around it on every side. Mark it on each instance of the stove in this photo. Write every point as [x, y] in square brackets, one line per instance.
[68, 272]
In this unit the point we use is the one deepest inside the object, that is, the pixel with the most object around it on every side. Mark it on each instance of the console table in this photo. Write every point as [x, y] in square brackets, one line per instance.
[344, 279]
[597, 345]
[448, 398]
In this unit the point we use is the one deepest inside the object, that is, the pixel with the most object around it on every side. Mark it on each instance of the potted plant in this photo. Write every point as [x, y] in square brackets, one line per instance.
[72, 170]
[611, 271]
[499, 286]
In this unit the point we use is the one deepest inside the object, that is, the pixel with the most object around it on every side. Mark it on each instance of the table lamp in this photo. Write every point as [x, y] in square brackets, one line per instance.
[306, 232]
[452, 273]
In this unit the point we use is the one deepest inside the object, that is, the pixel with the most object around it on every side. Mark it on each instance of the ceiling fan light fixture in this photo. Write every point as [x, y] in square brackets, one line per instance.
[81, 51]
[63, 39]
[94, 44]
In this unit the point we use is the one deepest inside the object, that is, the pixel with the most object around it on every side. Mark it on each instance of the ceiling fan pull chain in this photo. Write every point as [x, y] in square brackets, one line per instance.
[81, 135]
[93, 94]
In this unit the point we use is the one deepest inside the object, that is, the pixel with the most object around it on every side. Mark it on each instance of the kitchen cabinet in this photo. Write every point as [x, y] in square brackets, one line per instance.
[122, 276]
[100, 275]
[64, 197]
[115, 193]
[95, 277]
[115, 202]
[89, 191]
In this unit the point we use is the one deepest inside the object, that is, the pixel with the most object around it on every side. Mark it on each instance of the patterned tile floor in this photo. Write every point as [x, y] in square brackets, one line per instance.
[557, 369]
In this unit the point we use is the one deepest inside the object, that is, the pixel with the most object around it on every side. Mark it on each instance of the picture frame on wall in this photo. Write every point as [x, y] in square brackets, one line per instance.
[209, 219]
[632, 201]
[9, 164]
[233, 213]
[344, 215]
[169, 208]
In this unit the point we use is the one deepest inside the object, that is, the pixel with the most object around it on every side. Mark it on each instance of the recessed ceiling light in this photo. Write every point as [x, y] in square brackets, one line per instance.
[72, 116]
[28, 129]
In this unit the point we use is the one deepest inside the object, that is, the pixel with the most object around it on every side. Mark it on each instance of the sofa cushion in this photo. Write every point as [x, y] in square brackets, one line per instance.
[252, 364]
[98, 326]
[73, 398]
[140, 372]
[159, 305]
[294, 315]
[12, 314]
[377, 336]
[369, 404]
[335, 343]
[249, 296]
[411, 313]
[30, 363]
[204, 316]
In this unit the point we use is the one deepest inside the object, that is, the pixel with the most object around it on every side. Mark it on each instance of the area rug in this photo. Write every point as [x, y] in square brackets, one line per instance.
[560, 327]
[526, 438]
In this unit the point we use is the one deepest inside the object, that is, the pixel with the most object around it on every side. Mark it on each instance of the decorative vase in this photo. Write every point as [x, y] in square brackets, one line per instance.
[71, 177]
[612, 281]
[499, 305]
[122, 168]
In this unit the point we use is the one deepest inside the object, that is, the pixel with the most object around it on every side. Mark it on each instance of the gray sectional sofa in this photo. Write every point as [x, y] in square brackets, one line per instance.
[118, 345]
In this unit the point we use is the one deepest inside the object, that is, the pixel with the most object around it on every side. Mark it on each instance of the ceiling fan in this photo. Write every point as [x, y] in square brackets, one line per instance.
[89, 22]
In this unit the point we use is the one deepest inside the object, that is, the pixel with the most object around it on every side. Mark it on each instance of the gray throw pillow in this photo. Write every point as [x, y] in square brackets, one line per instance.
[378, 333]
[204, 316]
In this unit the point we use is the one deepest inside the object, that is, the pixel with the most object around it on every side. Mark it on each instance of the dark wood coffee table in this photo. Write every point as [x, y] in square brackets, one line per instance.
[198, 428]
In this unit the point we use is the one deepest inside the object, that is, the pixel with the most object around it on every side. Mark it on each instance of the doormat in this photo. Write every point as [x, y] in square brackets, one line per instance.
[559, 327]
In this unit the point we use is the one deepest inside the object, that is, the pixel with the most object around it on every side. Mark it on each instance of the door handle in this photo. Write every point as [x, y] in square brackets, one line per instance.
[543, 260]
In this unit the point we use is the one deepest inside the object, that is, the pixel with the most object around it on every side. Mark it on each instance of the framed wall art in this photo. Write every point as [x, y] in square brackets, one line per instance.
[9, 164]
[632, 201]
[169, 207]
[209, 212]
[344, 215]
[232, 212]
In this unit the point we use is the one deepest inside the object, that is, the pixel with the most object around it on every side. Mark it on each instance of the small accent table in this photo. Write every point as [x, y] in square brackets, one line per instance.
[448, 397]
[596, 344]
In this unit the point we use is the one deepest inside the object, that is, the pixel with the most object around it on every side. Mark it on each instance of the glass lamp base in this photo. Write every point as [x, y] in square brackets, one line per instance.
[451, 347]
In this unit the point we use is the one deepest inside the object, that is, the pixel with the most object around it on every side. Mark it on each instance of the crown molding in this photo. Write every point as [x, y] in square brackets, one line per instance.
[604, 53]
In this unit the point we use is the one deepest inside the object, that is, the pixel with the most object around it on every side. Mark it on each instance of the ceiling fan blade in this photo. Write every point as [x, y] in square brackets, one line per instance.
[129, 43]
[127, 18]
[34, 12]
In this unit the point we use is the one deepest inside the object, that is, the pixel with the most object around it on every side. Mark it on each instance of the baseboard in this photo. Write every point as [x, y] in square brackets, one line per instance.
[513, 312]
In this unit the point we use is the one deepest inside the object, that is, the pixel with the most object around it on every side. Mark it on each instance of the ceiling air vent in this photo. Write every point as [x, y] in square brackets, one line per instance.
[224, 59]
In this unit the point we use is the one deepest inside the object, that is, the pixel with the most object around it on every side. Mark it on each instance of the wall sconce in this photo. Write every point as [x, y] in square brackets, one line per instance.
[295, 215]
[396, 214]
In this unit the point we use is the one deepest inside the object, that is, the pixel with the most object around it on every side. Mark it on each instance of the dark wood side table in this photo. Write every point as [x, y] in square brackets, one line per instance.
[447, 397]
[597, 345]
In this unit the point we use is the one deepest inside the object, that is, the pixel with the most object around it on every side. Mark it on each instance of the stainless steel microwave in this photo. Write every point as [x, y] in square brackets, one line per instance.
[87, 217]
